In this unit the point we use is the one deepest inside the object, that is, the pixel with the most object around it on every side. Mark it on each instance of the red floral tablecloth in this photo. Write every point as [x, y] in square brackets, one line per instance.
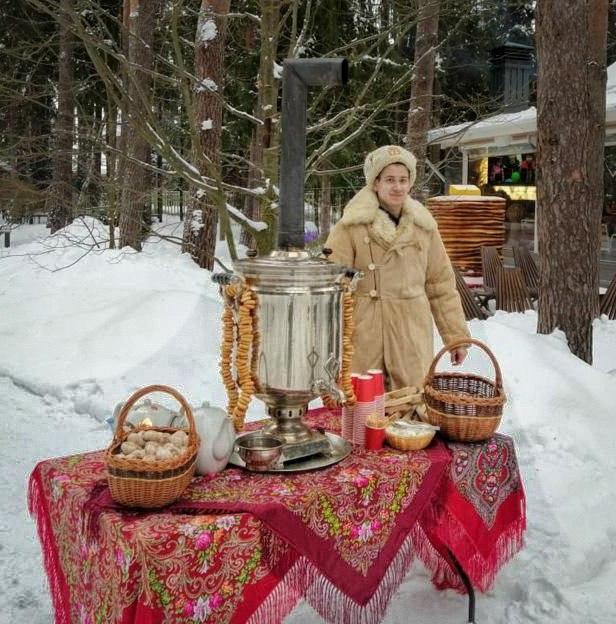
[244, 546]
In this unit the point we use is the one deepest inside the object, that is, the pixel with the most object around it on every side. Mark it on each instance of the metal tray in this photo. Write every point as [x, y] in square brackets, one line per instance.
[340, 449]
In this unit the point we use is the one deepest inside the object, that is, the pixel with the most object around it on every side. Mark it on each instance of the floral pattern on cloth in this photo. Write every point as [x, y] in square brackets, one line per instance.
[348, 520]
[193, 568]
[354, 507]
[485, 474]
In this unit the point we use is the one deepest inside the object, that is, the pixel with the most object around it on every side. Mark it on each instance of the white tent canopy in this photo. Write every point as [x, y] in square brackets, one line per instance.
[512, 133]
[508, 133]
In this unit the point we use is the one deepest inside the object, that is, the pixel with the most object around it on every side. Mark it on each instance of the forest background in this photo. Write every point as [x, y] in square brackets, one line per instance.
[102, 101]
[123, 109]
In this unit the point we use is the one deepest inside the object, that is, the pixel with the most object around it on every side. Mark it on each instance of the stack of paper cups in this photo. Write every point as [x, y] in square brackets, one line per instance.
[348, 414]
[379, 392]
[364, 408]
[354, 377]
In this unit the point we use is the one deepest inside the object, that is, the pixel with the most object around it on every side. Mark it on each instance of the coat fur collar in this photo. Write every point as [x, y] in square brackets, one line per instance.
[363, 209]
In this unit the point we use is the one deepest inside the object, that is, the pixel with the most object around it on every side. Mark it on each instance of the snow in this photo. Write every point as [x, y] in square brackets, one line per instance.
[382, 60]
[82, 326]
[257, 226]
[206, 31]
[207, 84]
[243, 114]
[504, 124]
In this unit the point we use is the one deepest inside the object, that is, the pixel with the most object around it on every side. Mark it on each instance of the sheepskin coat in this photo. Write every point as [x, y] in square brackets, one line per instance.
[408, 282]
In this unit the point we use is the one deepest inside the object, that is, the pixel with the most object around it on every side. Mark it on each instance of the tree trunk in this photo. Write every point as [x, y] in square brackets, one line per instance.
[265, 159]
[255, 176]
[420, 107]
[202, 218]
[325, 207]
[122, 115]
[61, 191]
[97, 157]
[571, 50]
[255, 171]
[88, 159]
[160, 187]
[110, 183]
[136, 193]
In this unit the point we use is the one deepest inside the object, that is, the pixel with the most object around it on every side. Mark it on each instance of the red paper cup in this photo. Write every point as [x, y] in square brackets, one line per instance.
[365, 389]
[374, 438]
[379, 380]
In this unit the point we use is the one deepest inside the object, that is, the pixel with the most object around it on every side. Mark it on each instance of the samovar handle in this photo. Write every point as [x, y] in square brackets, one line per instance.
[353, 275]
[226, 278]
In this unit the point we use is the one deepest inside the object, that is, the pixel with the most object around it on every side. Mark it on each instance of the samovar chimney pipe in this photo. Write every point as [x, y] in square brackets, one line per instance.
[297, 76]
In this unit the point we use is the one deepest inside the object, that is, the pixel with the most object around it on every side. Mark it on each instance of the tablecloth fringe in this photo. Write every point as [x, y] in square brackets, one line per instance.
[326, 599]
[37, 507]
[444, 575]
[482, 570]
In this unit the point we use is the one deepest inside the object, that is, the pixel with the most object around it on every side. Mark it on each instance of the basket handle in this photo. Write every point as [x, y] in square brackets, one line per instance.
[498, 381]
[140, 394]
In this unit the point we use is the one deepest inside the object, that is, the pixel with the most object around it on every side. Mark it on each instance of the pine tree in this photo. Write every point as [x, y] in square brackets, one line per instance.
[571, 50]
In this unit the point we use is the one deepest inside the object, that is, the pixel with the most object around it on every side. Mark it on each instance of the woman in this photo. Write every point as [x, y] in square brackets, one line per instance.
[408, 280]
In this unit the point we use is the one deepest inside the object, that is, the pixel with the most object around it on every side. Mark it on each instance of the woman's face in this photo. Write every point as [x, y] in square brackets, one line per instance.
[392, 186]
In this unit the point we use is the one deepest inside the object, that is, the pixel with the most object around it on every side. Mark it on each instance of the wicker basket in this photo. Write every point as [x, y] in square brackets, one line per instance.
[154, 484]
[467, 408]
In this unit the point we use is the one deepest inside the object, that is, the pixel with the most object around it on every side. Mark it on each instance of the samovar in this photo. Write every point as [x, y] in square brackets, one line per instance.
[299, 295]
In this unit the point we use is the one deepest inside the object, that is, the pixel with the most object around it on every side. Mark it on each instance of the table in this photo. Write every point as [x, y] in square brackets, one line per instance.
[242, 546]
[473, 281]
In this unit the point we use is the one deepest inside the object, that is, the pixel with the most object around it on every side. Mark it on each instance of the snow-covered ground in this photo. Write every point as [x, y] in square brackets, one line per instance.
[81, 327]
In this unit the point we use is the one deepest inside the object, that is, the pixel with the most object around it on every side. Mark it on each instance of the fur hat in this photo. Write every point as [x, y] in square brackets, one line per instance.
[380, 158]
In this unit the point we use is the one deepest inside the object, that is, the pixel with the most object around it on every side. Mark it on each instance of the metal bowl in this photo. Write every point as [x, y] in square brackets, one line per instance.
[259, 451]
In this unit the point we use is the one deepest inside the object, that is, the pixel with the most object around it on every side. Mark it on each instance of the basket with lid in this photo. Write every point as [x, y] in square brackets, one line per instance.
[154, 482]
[467, 407]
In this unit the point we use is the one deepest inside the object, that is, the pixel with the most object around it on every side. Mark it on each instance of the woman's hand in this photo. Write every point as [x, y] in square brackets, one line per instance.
[458, 355]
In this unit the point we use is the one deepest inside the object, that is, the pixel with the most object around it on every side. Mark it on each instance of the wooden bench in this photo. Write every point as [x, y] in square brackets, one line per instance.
[511, 292]
[530, 271]
[608, 301]
[491, 264]
[470, 305]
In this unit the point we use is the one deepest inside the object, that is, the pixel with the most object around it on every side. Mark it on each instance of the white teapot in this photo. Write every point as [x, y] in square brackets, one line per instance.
[217, 438]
